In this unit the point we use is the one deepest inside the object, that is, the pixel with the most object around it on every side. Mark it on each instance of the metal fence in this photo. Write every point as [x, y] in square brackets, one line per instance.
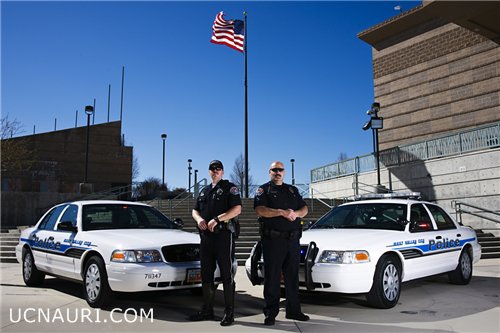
[459, 143]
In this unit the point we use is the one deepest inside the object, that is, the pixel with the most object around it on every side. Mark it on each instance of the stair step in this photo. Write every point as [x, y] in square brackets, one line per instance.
[8, 259]
[490, 249]
[490, 255]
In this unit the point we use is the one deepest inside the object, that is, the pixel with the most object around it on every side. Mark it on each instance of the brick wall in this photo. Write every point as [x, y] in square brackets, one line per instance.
[443, 80]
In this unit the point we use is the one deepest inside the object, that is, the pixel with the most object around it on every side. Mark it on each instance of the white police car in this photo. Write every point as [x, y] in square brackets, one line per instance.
[110, 246]
[372, 246]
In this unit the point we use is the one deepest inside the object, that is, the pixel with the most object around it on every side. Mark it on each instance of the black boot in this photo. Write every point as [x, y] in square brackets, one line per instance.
[207, 311]
[228, 318]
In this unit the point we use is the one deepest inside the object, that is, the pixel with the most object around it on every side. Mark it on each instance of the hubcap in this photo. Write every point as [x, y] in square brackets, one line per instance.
[93, 282]
[28, 264]
[391, 282]
[466, 266]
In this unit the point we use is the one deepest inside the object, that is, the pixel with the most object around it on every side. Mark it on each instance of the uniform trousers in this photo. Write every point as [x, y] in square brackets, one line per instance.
[217, 248]
[281, 255]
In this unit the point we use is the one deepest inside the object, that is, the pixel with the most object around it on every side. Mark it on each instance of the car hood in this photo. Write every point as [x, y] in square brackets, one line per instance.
[351, 239]
[139, 238]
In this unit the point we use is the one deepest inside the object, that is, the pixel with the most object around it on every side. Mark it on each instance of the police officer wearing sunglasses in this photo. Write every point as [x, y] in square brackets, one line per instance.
[215, 210]
[280, 208]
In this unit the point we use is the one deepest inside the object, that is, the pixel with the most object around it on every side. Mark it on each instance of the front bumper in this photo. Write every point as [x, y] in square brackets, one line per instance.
[133, 277]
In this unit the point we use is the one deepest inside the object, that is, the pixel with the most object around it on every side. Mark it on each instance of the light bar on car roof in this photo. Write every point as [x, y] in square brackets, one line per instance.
[393, 195]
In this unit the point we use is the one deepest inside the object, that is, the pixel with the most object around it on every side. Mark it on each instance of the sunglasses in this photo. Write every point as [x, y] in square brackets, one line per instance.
[276, 170]
[215, 169]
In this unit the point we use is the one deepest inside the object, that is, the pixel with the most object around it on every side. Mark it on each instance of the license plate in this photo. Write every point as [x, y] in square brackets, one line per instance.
[193, 275]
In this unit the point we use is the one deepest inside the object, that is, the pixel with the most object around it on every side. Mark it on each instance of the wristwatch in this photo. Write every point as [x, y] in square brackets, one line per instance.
[216, 219]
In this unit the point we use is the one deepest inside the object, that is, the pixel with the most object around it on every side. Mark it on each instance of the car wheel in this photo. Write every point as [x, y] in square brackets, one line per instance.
[386, 287]
[95, 283]
[463, 273]
[31, 275]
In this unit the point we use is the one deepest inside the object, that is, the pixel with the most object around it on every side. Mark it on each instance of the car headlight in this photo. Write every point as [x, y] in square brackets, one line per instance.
[139, 256]
[344, 257]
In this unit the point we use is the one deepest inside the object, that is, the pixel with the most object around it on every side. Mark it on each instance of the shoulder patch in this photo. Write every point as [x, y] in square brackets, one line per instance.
[259, 191]
[234, 190]
[291, 189]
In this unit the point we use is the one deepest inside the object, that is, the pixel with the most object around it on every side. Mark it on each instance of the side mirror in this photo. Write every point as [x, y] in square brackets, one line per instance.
[178, 222]
[67, 226]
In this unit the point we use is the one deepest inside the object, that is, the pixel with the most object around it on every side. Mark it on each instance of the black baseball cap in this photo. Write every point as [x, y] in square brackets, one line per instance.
[215, 164]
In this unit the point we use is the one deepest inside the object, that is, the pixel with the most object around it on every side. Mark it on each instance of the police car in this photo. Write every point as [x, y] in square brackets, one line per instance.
[372, 246]
[110, 246]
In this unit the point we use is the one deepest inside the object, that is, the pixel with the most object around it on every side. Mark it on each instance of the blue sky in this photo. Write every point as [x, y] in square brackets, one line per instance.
[310, 78]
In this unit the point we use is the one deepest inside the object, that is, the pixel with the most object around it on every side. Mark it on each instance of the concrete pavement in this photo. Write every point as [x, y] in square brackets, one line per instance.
[430, 305]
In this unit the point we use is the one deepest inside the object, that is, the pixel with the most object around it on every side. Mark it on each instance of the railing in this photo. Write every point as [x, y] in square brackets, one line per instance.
[463, 142]
[457, 205]
[183, 196]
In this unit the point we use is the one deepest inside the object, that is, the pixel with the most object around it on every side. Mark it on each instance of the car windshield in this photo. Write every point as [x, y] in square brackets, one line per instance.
[123, 216]
[384, 216]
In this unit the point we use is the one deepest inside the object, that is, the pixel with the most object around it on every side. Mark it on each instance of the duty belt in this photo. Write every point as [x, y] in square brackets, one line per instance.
[274, 234]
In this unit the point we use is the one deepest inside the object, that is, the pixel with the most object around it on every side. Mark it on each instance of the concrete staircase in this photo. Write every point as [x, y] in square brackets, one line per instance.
[490, 244]
[8, 241]
[249, 234]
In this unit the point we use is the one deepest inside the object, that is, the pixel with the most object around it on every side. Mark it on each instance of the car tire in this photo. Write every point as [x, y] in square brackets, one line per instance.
[386, 287]
[463, 273]
[31, 275]
[95, 283]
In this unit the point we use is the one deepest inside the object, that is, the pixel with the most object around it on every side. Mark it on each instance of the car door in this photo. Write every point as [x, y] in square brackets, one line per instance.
[42, 239]
[420, 259]
[62, 261]
[448, 239]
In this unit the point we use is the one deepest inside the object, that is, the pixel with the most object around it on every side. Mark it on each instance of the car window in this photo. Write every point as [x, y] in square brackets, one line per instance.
[123, 216]
[418, 214]
[385, 216]
[443, 221]
[70, 214]
[50, 219]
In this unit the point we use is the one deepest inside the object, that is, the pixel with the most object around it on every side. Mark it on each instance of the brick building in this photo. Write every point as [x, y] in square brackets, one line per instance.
[436, 69]
[59, 161]
[436, 72]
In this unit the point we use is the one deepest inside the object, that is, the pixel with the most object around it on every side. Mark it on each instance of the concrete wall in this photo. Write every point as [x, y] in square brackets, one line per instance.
[473, 178]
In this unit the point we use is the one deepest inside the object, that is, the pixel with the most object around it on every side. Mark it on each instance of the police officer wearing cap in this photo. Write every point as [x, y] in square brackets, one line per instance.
[214, 212]
[280, 208]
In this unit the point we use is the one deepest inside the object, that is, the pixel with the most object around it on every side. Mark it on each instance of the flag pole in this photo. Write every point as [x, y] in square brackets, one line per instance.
[246, 106]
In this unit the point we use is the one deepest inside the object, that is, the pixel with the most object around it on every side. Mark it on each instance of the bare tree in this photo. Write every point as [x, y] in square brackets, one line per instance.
[342, 157]
[238, 174]
[16, 153]
[135, 167]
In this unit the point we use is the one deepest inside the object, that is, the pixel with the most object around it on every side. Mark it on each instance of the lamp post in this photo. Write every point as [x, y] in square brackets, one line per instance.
[293, 171]
[189, 174]
[375, 123]
[89, 110]
[196, 187]
[163, 137]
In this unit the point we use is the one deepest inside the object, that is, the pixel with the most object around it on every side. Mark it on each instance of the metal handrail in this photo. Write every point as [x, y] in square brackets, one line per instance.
[457, 205]
[197, 187]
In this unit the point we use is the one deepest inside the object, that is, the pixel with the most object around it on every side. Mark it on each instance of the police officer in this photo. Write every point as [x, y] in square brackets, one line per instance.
[280, 208]
[216, 207]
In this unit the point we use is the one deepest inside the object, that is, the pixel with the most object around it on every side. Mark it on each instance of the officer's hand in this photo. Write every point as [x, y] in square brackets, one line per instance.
[211, 225]
[202, 225]
[290, 215]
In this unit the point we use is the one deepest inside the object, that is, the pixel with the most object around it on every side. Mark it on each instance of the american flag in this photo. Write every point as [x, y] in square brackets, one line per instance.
[228, 33]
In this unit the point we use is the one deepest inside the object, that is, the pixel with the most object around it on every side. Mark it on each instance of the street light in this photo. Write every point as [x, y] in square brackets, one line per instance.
[163, 137]
[375, 123]
[196, 186]
[189, 174]
[293, 172]
[89, 110]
